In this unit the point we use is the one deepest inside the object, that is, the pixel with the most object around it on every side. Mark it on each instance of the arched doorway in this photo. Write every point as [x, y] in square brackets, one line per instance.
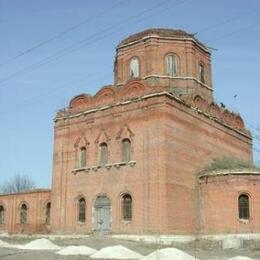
[102, 213]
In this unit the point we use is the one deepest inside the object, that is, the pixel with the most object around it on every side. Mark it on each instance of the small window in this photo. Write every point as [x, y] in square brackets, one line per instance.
[82, 157]
[82, 210]
[127, 207]
[126, 150]
[134, 68]
[202, 73]
[103, 158]
[23, 214]
[171, 65]
[243, 206]
[48, 214]
[2, 215]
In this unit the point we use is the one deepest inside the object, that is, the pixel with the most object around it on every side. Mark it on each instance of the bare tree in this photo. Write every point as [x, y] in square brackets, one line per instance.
[17, 184]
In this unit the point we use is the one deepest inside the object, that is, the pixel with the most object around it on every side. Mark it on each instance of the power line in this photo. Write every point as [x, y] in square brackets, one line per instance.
[229, 20]
[85, 42]
[59, 35]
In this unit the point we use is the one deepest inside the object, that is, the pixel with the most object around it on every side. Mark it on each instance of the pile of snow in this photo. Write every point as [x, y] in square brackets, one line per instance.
[168, 254]
[231, 243]
[116, 252]
[240, 258]
[40, 244]
[7, 245]
[77, 250]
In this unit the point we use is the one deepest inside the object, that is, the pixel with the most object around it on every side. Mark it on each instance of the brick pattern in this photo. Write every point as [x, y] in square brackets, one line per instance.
[175, 129]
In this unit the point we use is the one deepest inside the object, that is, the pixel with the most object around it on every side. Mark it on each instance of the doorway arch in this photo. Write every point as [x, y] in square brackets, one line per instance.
[102, 213]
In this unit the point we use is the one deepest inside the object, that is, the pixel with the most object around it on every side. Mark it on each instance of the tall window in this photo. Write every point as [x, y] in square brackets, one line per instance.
[171, 65]
[202, 73]
[82, 210]
[103, 157]
[126, 150]
[127, 207]
[23, 214]
[48, 213]
[243, 206]
[2, 215]
[82, 157]
[134, 68]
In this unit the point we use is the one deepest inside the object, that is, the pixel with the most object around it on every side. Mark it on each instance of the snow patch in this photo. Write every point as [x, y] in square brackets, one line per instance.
[40, 244]
[116, 252]
[168, 254]
[77, 250]
[240, 258]
[7, 245]
[231, 243]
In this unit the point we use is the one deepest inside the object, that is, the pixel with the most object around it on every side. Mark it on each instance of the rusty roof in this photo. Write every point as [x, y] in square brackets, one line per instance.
[160, 32]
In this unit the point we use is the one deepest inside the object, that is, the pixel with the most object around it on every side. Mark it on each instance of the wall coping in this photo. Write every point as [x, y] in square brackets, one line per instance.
[244, 171]
[26, 192]
[151, 95]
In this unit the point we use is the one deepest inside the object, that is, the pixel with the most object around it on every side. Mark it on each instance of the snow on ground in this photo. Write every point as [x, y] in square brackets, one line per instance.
[116, 252]
[240, 258]
[168, 254]
[7, 245]
[40, 244]
[77, 250]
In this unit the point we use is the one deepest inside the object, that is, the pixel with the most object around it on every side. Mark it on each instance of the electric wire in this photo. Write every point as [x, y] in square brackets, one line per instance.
[60, 34]
[89, 40]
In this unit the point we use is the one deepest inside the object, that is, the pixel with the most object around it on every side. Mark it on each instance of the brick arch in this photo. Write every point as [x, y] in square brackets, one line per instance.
[133, 89]
[199, 102]
[23, 202]
[81, 141]
[214, 110]
[101, 194]
[80, 102]
[227, 117]
[105, 95]
[239, 122]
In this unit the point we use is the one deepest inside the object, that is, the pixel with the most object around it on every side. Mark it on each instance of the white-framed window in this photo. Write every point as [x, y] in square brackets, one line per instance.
[134, 67]
[171, 65]
[201, 73]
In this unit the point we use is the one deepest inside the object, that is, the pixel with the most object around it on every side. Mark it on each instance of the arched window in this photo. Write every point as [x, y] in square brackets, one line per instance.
[82, 210]
[134, 68]
[2, 215]
[171, 65]
[103, 154]
[82, 157]
[201, 73]
[127, 207]
[243, 206]
[48, 213]
[126, 150]
[23, 214]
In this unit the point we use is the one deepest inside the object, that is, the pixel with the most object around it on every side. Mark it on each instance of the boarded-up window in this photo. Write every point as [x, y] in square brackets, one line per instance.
[127, 207]
[23, 214]
[171, 65]
[103, 154]
[2, 215]
[134, 68]
[202, 73]
[243, 206]
[82, 210]
[82, 157]
[48, 213]
[126, 150]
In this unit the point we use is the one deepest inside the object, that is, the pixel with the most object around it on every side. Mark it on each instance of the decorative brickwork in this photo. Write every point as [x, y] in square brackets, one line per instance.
[134, 149]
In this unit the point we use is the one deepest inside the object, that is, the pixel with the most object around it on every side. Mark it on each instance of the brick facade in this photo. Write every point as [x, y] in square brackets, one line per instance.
[174, 127]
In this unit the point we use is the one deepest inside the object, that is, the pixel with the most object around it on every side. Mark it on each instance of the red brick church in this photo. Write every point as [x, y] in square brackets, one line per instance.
[129, 159]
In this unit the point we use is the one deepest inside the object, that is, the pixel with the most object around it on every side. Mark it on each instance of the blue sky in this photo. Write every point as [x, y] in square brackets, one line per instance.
[34, 86]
